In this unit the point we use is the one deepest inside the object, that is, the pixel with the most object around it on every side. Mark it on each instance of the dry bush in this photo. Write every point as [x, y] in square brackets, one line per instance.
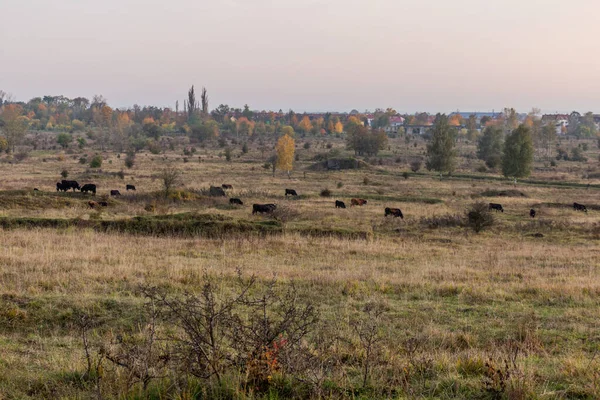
[443, 221]
[479, 216]
[285, 213]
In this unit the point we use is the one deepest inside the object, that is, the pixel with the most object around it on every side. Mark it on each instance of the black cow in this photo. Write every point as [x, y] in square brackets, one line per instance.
[129, 187]
[61, 187]
[496, 207]
[36, 189]
[579, 207]
[103, 203]
[291, 192]
[532, 213]
[339, 204]
[226, 186]
[263, 208]
[236, 201]
[115, 193]
[70, 185]
[395, 212]
[88, 187]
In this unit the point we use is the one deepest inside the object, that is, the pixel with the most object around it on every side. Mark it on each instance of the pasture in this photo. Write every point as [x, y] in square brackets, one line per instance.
[413, 307]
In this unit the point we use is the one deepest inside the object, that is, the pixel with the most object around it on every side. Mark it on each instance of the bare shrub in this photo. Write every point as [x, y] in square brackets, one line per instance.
[325, 193]
[284, 213]
[170, 177]
[479, 216]
[442, 221]
[415, 166]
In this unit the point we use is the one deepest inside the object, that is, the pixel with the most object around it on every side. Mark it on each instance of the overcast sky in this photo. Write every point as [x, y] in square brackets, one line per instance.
[308, 55]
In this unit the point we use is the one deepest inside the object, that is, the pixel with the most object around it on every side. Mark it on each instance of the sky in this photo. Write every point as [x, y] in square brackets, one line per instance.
[308, 55]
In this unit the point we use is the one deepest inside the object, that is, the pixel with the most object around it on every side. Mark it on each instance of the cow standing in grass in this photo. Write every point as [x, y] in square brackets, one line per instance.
[532, 213]
[496, 207]
[290, 192]
[394, 212]
[579, 207]
[340, 204]
[263, 208]
[88, 187]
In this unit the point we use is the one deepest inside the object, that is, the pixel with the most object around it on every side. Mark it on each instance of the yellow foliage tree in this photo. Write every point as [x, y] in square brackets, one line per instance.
[286, 148]
[305, 125]
[339, 128]
[288, 130]
[106, 113]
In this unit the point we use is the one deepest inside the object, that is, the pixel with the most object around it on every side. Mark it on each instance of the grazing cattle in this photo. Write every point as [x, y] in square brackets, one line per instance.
[92, 204]
[88, 187]
[263, 208]
[115, 193]
[61, 187]
[226, 186]
[339, 204]
[357, 202]
[395, 212]
[496, 207]
[579, 207]
[216, 191]
[129, 187]
[70, 185]
[532, 213]
[236, 201]
[36, 189]
[291, 192]
[103, 203]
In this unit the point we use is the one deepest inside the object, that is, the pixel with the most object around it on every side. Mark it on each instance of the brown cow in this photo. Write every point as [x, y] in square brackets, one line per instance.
[92, 204]
[357, 202]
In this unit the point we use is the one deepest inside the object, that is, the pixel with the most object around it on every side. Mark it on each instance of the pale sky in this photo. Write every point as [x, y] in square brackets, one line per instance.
[308, 55]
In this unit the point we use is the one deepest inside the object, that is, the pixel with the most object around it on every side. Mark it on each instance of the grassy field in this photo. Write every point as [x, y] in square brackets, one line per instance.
[420, 307]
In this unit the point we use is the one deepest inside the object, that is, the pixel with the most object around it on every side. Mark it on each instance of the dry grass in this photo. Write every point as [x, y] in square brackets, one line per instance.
[464, 297]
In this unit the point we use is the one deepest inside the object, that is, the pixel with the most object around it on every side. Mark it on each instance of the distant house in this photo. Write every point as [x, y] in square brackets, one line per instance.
[560, 121]
[417, 129]
[395, 124]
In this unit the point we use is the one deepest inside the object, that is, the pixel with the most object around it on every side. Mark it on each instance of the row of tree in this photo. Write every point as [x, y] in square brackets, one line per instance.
[514, 152]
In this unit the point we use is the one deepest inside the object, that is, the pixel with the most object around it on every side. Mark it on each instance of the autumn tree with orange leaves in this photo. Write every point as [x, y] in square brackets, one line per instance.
[286, 148]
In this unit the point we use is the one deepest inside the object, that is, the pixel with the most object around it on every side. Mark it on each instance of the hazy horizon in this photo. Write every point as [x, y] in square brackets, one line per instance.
[307, 55]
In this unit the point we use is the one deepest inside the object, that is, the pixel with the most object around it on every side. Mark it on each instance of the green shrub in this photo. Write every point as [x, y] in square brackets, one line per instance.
[96, 161]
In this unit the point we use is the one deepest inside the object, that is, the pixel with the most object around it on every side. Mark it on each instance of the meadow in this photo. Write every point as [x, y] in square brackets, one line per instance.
[361, 306]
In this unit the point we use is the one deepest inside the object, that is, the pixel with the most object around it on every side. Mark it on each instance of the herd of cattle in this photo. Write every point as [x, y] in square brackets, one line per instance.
[66, 185]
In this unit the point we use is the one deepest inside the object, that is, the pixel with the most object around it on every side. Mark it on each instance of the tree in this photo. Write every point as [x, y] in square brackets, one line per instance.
[547, 139]
[170, 178]
[518, 153]
[192, 105]
[441, 154]
[14, 125]
[288, 130]
[472, 127]
[64, 139]
[511, 119]
[204, 99]
[364, 141]
[96, 161]
[305, 125]
[286, 148]
[130, 159]
[489, 146]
